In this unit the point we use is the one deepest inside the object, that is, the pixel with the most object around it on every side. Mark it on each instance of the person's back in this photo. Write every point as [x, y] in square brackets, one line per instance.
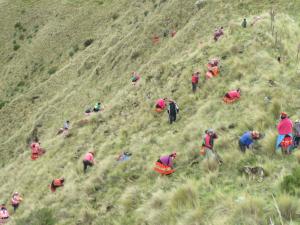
[195, 78]
[4, 213]
[166, 160]
[285, 126]
[246, 138]
[172, 108]
[234, 94]
[66, 125]
[160, 103]
[89, 157]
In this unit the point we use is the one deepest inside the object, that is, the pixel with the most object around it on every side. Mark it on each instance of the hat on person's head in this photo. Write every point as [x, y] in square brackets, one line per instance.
[255, 134]
[283, 114]
[174, 154]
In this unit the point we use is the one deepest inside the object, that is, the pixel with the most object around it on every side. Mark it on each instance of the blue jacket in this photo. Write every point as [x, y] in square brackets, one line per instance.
[246, 138]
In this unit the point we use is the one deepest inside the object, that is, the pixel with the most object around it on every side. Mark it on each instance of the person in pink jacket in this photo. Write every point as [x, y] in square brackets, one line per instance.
[285, 132]
[232, 96]
[88, 160]
[161, 103]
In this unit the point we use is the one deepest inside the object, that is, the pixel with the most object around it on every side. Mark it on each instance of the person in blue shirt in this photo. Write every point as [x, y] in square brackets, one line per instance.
[247, 139]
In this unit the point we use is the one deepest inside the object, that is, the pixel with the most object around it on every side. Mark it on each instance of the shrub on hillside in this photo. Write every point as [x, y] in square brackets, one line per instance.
[52, 70]
[2, 104]
[291, 183]
[288, 207]
[42, 216]
[185, 196]
[16, 47]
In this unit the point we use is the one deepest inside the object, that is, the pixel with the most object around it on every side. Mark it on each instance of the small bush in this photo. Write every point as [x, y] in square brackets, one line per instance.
[288, 207]
[210, 164]
[88, 42]
[21, 37]
[291, 183]
[16, 47]
[18, 25]
[2, 104]
[185, 196]
[41, 217]
[115, 16]
[52, 70]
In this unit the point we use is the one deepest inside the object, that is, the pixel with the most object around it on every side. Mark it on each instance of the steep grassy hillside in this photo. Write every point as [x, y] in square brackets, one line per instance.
[59, 57]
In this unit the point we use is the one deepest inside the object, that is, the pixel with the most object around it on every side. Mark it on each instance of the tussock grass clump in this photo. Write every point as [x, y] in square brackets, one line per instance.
[42, 216]
[297, 153]
[184, 196]
[291, 183]
[210, 164]
[52, 70]
[268, 143]
[88, 42]
[289, 207]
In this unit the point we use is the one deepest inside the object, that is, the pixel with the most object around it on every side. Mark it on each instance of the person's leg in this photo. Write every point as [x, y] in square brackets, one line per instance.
[174, 117]
[242, 147]
[84, 166]
[194, 87]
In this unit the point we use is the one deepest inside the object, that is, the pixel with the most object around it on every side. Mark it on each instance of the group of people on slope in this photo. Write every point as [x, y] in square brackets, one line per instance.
[16, 199]
[172, 109]
[288, 134]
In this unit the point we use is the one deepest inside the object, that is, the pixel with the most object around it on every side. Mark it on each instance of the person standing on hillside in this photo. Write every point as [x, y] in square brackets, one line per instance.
[208, 145]
[247, 139]
[296, 133]
[244, 23]
[218, 33]
[195, 80]
[285, 134]
[88, 160]
[135, 77]
[36, 150]
[16, 200]
[172, 111]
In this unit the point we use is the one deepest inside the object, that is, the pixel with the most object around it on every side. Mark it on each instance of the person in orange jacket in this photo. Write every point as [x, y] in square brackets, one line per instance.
[88, 160]
[16, 200]
[56, 183]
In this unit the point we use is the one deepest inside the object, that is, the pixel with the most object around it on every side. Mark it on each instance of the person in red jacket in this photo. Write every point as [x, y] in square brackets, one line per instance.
[208, 145]
[195, 80]
[56, 183]
[88, 160]
[285, 133]
[232, 96]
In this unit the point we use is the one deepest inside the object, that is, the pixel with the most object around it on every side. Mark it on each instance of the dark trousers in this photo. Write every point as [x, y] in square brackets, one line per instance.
[242, 147]
[15, 206]
[172, 118]
[194, 87]
[86, 163]
[296, 141]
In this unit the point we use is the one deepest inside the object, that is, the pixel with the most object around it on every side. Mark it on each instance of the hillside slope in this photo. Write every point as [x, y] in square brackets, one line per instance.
[50, 73]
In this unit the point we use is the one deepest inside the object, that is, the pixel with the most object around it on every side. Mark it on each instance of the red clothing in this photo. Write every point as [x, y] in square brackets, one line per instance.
[89, 157]
[234, 94]
[195, 79]
[160, 103]
[285, 126]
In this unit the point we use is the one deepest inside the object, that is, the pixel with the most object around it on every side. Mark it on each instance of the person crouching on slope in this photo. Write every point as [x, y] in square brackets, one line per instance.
[247, 139]
[135, 77]
[160, 104]
[16, 200]
[164, 164]
[232, 96]
[285, 134]
[172, 111]
[88, 160]
[56, 183]
[4, 215]
[195, 80]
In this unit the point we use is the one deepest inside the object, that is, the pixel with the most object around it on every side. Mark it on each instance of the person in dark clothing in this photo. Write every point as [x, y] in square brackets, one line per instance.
[244, 23]
[172, 111]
